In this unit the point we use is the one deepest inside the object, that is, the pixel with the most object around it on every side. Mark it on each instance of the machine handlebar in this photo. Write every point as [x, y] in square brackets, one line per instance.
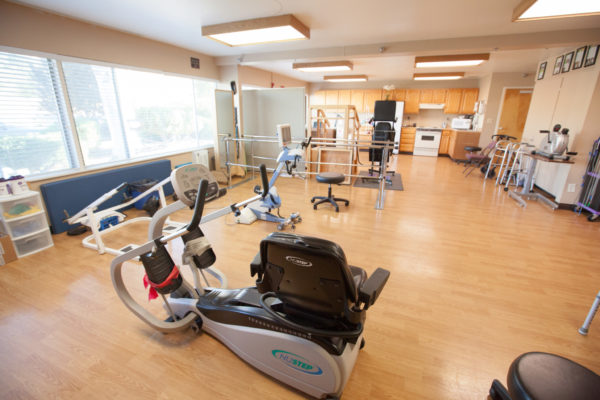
[199, 206]
[265, 180]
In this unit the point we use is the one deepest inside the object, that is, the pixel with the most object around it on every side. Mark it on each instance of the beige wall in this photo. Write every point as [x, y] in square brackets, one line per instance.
[496, 84]
[258, 77]
[569, 99]
[27, 28]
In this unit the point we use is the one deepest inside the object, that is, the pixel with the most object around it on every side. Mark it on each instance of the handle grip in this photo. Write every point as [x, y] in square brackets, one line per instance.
[199, 206]
[265, 180]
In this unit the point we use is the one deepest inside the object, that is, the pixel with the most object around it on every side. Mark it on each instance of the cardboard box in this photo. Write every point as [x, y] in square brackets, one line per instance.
[7, 249]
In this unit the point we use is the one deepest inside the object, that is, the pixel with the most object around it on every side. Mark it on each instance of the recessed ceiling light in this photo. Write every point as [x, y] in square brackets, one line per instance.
[458, 60]
[529, 10]
[345, 78]
[281, 28]
[442, 76]
[323, 66]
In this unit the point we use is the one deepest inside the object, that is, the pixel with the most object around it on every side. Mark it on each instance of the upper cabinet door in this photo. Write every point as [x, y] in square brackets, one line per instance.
[317, 98]
[344, 97]
[331, 97]
[400, 94]
[411, 102]
[371, 96]
[438, 96]
[357, 99]
[426, 96]
[453, 99]
[469, 98]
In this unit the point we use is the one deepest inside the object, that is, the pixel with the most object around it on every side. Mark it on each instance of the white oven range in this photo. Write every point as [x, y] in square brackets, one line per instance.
[427, 142]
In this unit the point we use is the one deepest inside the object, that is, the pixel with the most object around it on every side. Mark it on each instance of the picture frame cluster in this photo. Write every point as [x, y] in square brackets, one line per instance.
[584, 56]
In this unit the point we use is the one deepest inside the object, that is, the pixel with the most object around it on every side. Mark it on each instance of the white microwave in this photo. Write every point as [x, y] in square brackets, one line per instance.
[461, 123]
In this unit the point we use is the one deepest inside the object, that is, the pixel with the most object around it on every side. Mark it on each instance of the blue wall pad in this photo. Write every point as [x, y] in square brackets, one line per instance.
[75, 193]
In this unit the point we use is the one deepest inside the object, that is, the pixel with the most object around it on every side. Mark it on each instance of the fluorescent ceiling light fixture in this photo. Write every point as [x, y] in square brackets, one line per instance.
[345, 78]
[458, 60]
[529, 10]
[323, 66]
[441, 76]
[281, 28]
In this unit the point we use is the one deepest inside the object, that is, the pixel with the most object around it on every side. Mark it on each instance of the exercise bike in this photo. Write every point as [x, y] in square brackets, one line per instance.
[301, 324]
[263, 208]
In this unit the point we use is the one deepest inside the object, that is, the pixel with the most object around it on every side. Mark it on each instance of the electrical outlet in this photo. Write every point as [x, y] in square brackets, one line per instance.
[571, 188]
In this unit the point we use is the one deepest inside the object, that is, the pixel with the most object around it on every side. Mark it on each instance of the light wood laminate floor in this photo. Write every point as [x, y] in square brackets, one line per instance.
[475, 281]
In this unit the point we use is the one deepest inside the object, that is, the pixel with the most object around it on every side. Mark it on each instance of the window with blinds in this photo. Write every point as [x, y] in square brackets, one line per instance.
[35, 136]
[119, 114]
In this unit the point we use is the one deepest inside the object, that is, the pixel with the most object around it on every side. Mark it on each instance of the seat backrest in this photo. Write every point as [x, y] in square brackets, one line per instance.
[385, 110]
[306, 273]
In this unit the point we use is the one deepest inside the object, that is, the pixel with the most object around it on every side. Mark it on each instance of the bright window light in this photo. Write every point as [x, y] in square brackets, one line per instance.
[455, 60]
[443, 76]
[325, 66]
[345, 78]
[280, 28]
[542, 9]
[256, 36]
[441, 64]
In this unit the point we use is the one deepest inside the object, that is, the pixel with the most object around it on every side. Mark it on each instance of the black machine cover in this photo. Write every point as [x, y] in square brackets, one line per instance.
[306, 273]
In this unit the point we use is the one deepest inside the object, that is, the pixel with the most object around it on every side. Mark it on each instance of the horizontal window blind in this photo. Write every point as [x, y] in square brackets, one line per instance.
[32, 129]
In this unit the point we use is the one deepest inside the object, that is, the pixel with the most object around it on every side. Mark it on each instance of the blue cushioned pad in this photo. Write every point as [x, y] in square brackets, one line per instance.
[75, 193]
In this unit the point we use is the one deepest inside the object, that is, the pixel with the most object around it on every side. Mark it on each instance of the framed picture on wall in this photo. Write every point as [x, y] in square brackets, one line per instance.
[557, 65]
[566, 67]
[542, 70]
[579, 57]
[592, 54]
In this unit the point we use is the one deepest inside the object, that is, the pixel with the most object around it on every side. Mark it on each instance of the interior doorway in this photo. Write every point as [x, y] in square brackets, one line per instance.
[513, 113]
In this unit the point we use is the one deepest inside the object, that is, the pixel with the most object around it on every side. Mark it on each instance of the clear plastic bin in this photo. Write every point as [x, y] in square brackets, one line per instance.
[33, 244]
[26, 226]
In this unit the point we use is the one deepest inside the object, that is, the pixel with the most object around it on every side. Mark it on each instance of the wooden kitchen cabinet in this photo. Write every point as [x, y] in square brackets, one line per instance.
[426, 96]
[371, 96]
[407, 139]
[344, 97]
[453, 101]
[400, 94]
[411, 101]
[469, 98]
[458, 141]
[317, 98]
[331, 98]
[438, 96]
[357, 100]
[445, 141]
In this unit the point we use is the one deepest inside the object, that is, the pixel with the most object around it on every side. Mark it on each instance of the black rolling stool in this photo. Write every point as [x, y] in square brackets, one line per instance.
[471, 150]
[544, 376]
[330, 178]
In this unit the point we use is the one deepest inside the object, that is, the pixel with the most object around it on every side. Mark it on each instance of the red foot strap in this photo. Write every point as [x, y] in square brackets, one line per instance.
[152, 294]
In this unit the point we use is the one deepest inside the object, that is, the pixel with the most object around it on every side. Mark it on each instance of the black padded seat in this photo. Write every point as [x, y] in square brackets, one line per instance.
[359, 275]
[472, 149]
[330, 178]
[545, 376]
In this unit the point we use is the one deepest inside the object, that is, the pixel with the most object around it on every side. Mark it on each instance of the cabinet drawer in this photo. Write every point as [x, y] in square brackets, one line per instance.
[27, 225]
[407, 140]
[406, 147]
[20, 206]
[34, 243]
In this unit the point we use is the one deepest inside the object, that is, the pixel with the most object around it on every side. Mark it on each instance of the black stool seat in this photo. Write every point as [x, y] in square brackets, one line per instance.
[330, 177]
[472, 149]
[544, 376]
